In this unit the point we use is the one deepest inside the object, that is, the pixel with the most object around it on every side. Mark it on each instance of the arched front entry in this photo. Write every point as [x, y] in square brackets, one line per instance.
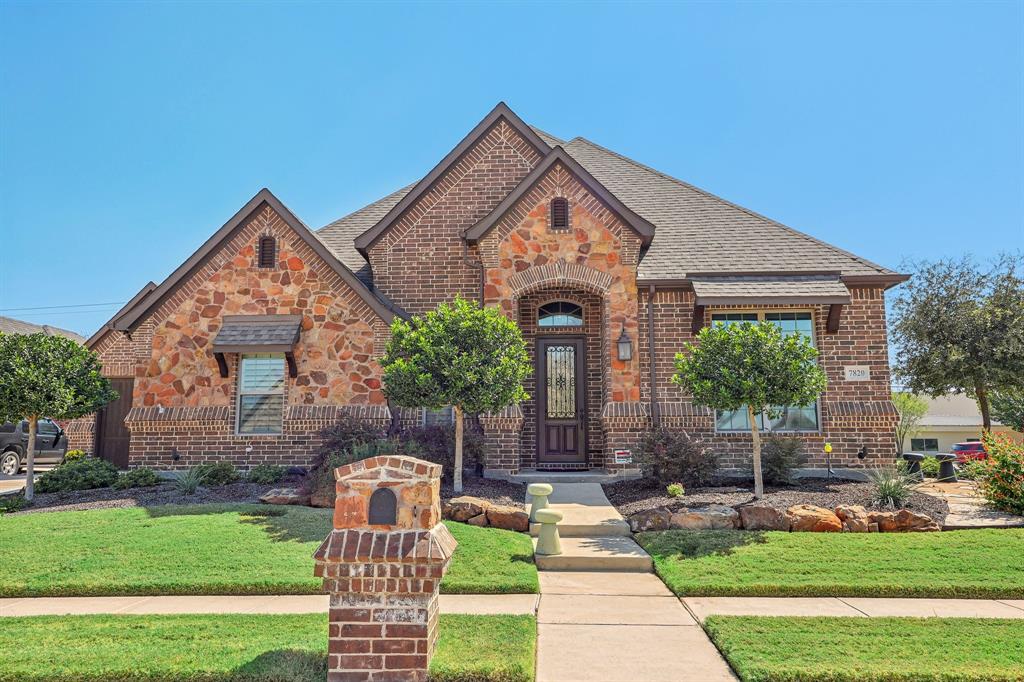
[562, 426]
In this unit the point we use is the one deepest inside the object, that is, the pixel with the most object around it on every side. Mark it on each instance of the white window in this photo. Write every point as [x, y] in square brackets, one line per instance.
[787, 418]
[261, 394]
[924, 444]
[443, 417]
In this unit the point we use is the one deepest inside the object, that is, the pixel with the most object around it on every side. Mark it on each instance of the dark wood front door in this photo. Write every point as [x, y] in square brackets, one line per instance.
[112, 437]
[561, 414]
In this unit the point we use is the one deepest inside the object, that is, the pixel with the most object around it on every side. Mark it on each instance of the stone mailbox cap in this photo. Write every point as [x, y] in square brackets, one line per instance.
[539, 489]
[406, 547]
[549, 515]
[403, 466]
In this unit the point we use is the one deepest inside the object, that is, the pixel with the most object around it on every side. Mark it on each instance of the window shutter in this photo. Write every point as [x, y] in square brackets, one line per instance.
[268, 252]
[559, 214]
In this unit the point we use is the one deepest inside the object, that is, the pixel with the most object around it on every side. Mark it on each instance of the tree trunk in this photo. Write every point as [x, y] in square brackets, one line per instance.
[30, 459]
[457, 474]
[758, 481]
[982, 394]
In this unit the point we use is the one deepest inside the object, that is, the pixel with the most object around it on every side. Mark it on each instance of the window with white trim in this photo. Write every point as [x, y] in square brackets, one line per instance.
[786, 418]
[261, 387]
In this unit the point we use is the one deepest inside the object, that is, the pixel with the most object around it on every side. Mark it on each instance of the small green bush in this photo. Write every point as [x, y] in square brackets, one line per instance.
[12, 503]
[73, 455]
[1003, 484]
[675, 490]
[671, 456]
[973, 470]
[218, 473]
[892, 486]
[266, 473]
[82, 474]
[437, 444]
[780, 456]
[321, 478]
[930, 467]
[136, 478]
[188, 483]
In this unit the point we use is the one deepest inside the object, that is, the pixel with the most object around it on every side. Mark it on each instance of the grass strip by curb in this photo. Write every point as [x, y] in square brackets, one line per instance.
[782, 649]
[240, 648]
[216, 549]
[981, 564]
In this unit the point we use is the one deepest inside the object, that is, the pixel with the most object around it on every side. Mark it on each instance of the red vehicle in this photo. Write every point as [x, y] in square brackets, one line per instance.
[972, 449]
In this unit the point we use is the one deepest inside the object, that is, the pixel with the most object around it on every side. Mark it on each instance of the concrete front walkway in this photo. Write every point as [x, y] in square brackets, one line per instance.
[476, 604]
[856, 607]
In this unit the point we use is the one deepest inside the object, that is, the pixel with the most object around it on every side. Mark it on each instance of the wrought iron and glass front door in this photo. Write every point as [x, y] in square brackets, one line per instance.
[561, 433]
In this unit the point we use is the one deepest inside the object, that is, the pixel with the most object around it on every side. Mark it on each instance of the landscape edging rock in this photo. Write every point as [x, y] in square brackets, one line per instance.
[477, 511]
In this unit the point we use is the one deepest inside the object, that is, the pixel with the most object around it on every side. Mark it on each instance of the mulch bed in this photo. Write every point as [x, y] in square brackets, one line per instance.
[165, 493]
[630, 497]
[494, 491]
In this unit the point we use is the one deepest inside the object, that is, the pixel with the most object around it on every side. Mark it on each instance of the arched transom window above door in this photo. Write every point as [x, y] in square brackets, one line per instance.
[560, 314]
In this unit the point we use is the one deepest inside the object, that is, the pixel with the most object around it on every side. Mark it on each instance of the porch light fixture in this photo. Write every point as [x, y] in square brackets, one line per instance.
[625, 346]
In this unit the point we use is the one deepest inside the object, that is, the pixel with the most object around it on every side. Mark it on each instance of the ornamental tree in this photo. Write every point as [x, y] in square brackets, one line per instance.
[753, 367]
[911, 409]
[959, 328]
[47, 376]
[1008, 408]
[460, 354]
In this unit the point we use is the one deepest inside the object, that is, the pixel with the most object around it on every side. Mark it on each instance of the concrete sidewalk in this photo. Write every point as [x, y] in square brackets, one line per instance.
[476, 604]
[856, 607]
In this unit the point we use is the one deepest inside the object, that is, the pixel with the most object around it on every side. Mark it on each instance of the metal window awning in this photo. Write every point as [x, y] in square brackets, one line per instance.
[753, 290]
[257, 334]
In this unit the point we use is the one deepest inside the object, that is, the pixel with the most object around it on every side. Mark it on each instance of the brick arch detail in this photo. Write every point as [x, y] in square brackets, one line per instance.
[560, 274]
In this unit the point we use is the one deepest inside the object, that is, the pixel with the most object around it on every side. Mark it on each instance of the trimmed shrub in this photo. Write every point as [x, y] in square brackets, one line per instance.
[136, 478]
[780, 456]
[670, 456]
[675, 490]
[266, 474]
[892, 486]
[341, 436]
[437, 444]
[188, 483]
[82, 474]
[218, 473]
[973, 470]
[73, 455]
[12, 503]
[321, 478]
[1003, 486]
[930, 467]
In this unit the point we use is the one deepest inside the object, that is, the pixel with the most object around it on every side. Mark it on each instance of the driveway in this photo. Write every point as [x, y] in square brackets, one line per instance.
[9, 485]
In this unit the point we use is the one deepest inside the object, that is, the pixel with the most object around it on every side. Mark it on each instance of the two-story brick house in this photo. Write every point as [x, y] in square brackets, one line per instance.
[271, 331]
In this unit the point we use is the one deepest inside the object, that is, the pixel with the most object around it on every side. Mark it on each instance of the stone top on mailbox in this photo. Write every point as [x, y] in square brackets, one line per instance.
[388, 493]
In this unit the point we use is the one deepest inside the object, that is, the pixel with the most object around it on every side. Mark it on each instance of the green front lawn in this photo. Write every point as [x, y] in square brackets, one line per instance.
[956, 564]
[216, 549]
[764, 649]
[240, 648]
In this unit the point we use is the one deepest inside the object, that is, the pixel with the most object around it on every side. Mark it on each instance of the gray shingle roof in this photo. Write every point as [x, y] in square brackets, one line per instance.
[771, 288]
[257, 333]
[9, 325]
[695, 231]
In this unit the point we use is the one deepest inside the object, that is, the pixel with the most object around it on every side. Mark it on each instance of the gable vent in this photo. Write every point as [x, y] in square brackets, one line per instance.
[268, 252]
[559, 214]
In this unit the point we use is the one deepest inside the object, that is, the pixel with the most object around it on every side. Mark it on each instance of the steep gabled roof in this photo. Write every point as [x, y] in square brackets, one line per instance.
[340, 236]
[131, 318]
[556, 156]
[500, 112]
[9, 325]
[109, 324]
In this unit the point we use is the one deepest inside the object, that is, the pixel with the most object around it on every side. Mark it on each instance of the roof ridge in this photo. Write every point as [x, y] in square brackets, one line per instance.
[863, 261]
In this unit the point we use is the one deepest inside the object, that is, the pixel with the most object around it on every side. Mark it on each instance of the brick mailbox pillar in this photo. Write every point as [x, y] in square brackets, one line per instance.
[383, 565]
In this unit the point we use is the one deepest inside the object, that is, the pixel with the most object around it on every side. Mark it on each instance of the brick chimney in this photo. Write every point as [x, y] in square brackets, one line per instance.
[382, 565]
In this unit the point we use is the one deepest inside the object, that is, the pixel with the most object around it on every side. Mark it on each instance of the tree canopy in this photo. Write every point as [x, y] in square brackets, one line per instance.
[958, 327]
[460, 354]
[1008, 408]
[48, 376]
[751, 366]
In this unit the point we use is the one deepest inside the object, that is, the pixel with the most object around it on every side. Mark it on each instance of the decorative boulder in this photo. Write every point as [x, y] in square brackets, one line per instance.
[854, 517]
[714, 517]
[509, 518]
[478, 520]
[912, 522]
[807, 517]
[762, 518]
[652, 519]
[886, 521]
[324, 500]
[464, 508]
[285, 496]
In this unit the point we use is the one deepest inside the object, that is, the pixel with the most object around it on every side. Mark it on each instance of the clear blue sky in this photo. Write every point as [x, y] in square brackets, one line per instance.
[129, 132]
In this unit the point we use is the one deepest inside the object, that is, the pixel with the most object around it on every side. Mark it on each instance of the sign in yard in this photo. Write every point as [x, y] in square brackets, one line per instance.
[857, 372]
[623, 456]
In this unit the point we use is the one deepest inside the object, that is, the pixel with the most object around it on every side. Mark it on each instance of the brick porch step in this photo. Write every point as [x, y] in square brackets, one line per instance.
[597, 554]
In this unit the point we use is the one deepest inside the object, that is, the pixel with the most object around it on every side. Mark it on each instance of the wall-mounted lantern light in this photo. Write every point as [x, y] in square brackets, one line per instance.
[625, 346]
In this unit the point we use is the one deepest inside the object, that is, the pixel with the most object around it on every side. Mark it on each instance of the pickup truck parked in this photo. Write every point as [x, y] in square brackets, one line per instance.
[51, 445]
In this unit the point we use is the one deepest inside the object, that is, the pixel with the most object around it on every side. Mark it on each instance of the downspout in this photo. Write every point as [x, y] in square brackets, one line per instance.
[655, 417]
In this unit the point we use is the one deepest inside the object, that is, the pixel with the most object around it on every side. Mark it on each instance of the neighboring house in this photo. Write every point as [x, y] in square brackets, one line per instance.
[8, 325]
[951, 419]
[270, 331]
